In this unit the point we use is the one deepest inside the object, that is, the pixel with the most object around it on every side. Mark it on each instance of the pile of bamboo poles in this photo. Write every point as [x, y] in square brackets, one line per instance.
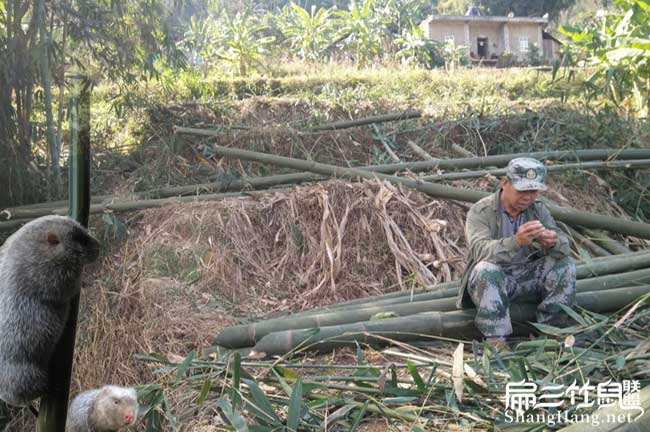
[604, 285]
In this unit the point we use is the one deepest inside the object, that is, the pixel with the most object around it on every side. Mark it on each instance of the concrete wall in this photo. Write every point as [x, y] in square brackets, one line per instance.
[438, 30]
[494, 34]
[532, 32]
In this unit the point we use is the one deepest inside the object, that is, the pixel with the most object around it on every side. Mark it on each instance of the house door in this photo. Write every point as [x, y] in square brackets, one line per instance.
[482, 44]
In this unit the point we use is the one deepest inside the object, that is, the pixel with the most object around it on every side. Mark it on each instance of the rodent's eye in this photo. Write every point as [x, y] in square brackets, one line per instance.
[53, 239]
[116, 401]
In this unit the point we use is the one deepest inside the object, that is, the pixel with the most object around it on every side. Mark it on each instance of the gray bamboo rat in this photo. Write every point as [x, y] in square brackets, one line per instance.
[39, 266]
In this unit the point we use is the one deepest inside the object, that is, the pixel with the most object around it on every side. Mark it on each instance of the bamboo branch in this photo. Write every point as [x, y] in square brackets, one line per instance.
[588, 244]
[383, 141]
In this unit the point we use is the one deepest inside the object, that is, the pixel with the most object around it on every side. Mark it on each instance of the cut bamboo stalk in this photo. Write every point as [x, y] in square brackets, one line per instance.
[121, 206]
[592, 166]
[54, 404]
[587, 244]
[457, 324]
[502, 160]
[589, 220]
[606, 242]
[420, 151]
[366, 121]
[148, 198]
[247, 334]
[462, 151]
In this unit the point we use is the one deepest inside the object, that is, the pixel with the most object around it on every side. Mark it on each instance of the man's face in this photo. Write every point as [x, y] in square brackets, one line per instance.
[514, 199]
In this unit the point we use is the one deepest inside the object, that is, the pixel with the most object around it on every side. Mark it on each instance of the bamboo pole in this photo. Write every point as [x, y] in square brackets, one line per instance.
[41, 209]
[54, 405]
[500, 160]
[589, 220]
[118, 207]
[420, 151]
[594, 166]
[365, 121]
[596, 267]
[588, 244]
[462, 151]
[456, 324]
[247, 334]
[606, 242]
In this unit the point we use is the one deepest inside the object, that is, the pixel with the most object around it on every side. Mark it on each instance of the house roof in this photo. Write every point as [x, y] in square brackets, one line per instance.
[480, 19]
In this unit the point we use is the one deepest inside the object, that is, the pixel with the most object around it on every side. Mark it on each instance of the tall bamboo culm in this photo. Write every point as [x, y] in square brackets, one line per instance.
[54, 405]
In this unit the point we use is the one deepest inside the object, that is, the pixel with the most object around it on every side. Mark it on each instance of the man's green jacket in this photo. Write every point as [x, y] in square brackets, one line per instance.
[482, 231]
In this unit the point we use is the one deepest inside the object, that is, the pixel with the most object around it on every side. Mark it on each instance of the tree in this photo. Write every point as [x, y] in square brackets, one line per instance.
[616, 43]
[414, 47]
[242, 41]
[308, 32]
[123, 38]
[361, 29]
[526, 7]
[453, 7]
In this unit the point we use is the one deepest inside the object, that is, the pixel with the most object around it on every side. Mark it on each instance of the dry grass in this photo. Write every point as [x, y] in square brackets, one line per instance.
[185, 272]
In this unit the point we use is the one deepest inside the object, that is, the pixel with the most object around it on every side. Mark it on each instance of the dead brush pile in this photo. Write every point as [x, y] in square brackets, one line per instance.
[186, 271]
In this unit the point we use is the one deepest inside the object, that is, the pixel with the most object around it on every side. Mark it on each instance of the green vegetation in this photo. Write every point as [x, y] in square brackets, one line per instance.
[616, 43]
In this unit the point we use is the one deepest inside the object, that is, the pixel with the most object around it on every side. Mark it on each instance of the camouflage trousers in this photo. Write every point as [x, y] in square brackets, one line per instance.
[547, 281]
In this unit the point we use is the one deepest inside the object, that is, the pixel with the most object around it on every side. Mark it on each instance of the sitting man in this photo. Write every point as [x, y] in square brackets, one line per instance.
[516, 250]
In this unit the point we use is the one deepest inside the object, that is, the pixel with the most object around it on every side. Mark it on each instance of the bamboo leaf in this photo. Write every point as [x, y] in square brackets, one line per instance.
[295, 407]
[617, 55]
[458, 370]
[416, 376]
[205, 390]
[183, 366]
[232, 415]
[359, 416]
[573, 314]
[262, 402]
[283, 383]
[286, 372]
[236, 377]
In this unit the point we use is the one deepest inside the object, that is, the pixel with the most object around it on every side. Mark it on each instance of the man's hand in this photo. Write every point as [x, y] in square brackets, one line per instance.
[529, 232]
[547, 238]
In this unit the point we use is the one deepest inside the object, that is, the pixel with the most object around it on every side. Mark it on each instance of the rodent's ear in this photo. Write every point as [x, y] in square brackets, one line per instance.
[53, 239]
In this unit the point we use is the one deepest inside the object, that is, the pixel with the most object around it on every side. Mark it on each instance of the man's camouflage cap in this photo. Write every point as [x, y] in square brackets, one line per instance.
[527, 174]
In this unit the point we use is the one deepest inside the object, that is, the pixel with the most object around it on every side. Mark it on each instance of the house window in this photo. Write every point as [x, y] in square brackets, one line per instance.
[449, 39]
[523, 44]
